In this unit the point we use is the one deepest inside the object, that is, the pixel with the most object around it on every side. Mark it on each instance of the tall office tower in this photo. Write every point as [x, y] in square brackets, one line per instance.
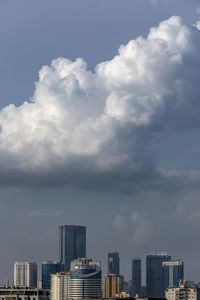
[143, 292]
[113, 263]
[183, 292]
[72, 244]
[136, 276]
[25, 274]
[154, 273]
[85, 279]
[173, 273]
[112, 285]
[50, 267]
[60, 286]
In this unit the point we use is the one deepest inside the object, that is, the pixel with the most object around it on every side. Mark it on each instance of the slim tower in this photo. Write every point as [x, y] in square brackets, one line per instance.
[113, 263]
[136, 276]
[72, 244]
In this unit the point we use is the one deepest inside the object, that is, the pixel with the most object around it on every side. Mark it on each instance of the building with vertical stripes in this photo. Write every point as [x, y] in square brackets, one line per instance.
[136, 277]
[25, 274]
[72, 244]
[60, 286]
[154, 273]
[112, 285]
[173, 273]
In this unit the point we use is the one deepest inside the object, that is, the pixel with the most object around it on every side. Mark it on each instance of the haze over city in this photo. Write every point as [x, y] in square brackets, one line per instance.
[99, 126]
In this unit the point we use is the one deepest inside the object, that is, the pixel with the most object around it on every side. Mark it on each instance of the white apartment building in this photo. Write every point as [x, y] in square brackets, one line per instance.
[60, 286]
[183, 292]
[25, 274]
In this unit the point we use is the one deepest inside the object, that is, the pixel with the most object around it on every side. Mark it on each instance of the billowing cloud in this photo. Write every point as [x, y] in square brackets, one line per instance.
[137, 228]
[197, 25]
[198, 10]
[93, 128]
[119, 222]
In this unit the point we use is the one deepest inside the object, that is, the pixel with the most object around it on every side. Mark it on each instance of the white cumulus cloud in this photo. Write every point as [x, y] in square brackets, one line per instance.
[80, 122]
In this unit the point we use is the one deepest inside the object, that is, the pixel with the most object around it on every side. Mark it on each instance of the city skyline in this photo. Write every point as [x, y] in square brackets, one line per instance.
[99, 125]
[160, 261]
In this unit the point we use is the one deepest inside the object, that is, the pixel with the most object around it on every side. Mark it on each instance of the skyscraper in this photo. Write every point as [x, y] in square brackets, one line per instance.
[72, 244]
[85, 279]
[25, 274]
[154, 273]
[136, 276]
[173, 273]
[111, 285]
[48, 268]
[113, 263]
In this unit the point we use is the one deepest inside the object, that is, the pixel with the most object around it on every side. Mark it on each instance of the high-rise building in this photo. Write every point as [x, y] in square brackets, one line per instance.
[25, 274]
[113, 263]
[50, 267]
[85, 279]
[72, 244]
[182, 292]
[173, 273]
[136, 276]
[112, 285]
[60, 286]
[143, 291]
[154, 273]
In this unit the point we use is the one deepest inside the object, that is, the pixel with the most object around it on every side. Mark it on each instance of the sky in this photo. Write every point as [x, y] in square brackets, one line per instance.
[99, 126]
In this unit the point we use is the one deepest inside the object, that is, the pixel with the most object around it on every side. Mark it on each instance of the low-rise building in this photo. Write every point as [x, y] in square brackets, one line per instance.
[183, 292]
[23, 293]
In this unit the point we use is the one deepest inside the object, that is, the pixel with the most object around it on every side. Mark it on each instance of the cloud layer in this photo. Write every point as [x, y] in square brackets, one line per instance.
[88, 128]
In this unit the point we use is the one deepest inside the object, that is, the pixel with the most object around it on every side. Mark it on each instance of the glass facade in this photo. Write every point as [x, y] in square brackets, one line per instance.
[85, 280]
[136, 276]
[72, 244]
[173, 272]
[49, 268]
[113, 263]
[154, 275]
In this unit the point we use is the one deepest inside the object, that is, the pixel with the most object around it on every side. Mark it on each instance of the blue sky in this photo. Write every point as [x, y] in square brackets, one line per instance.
[114, 145]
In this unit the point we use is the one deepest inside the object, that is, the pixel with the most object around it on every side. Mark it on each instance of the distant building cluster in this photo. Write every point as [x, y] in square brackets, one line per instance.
[74, 276]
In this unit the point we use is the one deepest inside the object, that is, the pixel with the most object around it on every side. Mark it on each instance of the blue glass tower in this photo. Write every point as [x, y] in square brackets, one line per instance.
[113, 263]
[172, 272]
[72, 244]
[136, 276]
[154, 273]
[48, 268]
